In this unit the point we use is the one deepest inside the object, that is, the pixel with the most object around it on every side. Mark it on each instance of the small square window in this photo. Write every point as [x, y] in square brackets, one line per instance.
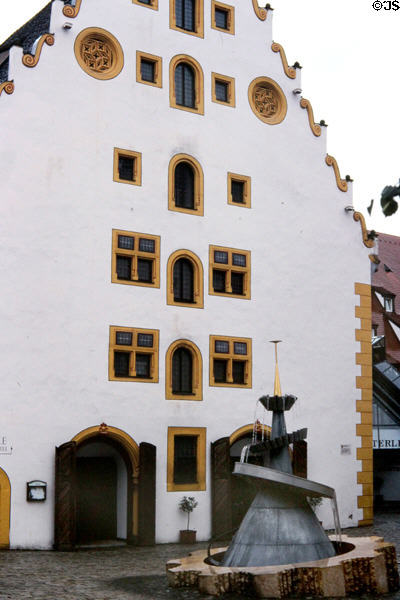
[148, 69]
[240, 348]
[146, 245]
[222, 17]
[123, 338]
[222, 346]
[239, 260]
[135, 262]
[221, 257]
[239, 190]
[127, 242]
[229, 272]
[145, 340]
[223, 89]
[230, 370]
[127, 166]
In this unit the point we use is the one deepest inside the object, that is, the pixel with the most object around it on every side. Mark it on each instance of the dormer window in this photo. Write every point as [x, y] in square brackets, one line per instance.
[389, 303]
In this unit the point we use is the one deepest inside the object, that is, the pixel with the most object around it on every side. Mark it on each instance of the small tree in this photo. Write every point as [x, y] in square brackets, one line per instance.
[188, 504]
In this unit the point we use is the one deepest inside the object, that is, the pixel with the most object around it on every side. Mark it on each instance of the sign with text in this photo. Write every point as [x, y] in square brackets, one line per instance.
[5, 446]
[386, 438]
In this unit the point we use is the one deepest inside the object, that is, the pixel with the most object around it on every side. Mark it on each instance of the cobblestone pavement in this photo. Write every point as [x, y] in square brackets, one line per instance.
[123, 573]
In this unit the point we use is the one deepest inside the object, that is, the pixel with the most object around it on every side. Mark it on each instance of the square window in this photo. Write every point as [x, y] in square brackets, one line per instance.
[239, 190]
[186, 462]
[230, 371]
[145, 340]
[148, 69]
[134, 363]
[229, 272]
[126, 241]
[135, 262]
[127, 166]
[123, 338]
[222, 17]
[223, 89]
[222, 346]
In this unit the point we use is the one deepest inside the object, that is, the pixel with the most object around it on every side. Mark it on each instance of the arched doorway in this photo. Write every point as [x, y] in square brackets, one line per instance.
[105, 488]
[5, 502]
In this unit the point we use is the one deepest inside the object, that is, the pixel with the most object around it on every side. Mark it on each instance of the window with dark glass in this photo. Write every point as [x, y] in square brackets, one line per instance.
[145, 2]
[185, 14]
[219, 281]
[230, 271]
[230, 361]
[184, 185]
[183, 281]
[133, 354]
[238, 371]
[147, 70]
[220, 370]
[182, 366]
[237, 283]
[221, 91]
[185, 85]
[221, 18]
[135, 258]
[126, 167]
[237, 191]
[185, 459]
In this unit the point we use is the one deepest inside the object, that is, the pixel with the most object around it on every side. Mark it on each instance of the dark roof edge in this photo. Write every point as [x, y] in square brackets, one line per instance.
[26, 35]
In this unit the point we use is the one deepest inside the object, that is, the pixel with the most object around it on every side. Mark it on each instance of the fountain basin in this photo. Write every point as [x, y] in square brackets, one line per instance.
[370, 567]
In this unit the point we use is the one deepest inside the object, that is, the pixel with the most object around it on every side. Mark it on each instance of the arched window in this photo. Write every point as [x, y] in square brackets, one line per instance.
[185, 279]
[186, 84]
[183, 371]
[185, 185]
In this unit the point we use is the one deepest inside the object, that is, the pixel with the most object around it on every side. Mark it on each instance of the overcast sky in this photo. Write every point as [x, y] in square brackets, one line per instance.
[350, 56]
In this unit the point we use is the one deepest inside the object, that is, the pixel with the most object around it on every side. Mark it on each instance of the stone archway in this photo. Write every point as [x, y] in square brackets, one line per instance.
[141, 486]
[5, 503]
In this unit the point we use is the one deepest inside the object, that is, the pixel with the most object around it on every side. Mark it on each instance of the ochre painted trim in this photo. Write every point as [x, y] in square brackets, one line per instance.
[132, 450]
[364, 406]
[31, 60]
[230, 82]
[153, 5]
[198, 185]
[198, 17]
[156, 60]
[199, 83]
[229, 267]
[7, 86]
[357, 216]
[133, 349]
[229, 357]
[230, 11]
[289, 71]
[197, 371]
[5, 504]
[245, 430]
[200, 433]
[114, 44]
[266, 82]
[137, 166]
[260, 12]
[341, 183]
[198, 277]
[246, 180]
[135, 254]
[72, 11]
[315, 128]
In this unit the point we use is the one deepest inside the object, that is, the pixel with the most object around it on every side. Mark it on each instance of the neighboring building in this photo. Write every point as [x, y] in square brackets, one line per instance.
[386, 371]
[168, 208]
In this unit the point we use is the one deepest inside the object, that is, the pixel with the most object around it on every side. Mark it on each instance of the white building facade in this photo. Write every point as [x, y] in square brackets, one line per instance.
[168, 208]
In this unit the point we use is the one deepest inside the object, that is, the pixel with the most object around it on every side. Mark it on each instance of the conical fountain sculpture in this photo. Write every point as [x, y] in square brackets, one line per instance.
[280, 526]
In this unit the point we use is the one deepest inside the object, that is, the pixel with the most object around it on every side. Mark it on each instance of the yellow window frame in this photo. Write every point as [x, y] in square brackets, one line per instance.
[197, 371]
[230, 268]
[230, 11]
[133, 349]
[229, 357]
[246, 180]
[157, 61]
[200, 433]
[135, 254]
[137, 166]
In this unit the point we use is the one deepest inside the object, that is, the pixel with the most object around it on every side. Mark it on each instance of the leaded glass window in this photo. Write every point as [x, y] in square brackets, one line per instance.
[185, 85]
[124, 267]
[185, 459]
[182, 371]
[221, 18]
[221, 91]
[185, 14]
[184, 185]
[126, 167]
[183, 281]
[147, 70]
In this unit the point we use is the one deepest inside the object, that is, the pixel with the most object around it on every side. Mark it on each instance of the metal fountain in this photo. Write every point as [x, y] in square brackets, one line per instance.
[280, 549]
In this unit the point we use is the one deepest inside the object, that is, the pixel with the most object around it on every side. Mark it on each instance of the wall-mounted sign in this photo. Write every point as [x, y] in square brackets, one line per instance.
[386, 438]
[5, 445]
[36, 491]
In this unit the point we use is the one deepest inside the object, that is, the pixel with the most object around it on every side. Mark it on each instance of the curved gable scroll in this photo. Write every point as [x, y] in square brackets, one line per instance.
[72, 10]
[367, 241]
[7, 87]
[31, 60]
[341, 183]
[260, 12]
[289, 71]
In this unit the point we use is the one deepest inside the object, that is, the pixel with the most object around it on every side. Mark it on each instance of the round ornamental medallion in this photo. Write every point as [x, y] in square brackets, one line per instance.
[267, 100]
[99, 53]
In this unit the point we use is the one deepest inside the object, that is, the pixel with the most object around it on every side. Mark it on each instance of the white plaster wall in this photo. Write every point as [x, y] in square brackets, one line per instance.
[59, 205]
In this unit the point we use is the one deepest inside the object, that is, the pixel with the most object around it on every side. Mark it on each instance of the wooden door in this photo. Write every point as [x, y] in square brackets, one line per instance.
[65, 497]
[221, 500]
[147, 494]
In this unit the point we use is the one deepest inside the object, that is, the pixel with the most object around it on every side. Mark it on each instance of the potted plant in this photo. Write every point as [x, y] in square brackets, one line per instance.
[187, 505]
